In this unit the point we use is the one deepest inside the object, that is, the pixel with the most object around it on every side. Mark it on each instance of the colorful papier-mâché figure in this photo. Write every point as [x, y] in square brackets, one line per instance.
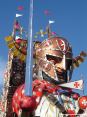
[54, 64]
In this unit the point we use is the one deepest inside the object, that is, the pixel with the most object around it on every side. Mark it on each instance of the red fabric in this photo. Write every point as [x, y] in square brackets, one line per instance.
[71, 113]
[19, 99]
[28, 103]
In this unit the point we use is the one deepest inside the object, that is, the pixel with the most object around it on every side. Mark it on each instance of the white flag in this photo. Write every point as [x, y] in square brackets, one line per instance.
[50, 21]
[74, 85]
[19, 15]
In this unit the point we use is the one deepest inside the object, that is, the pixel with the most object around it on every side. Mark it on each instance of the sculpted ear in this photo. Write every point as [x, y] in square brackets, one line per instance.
[79, 59]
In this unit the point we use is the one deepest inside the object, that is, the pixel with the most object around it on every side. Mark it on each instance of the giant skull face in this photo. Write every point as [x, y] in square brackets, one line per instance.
[54, 58]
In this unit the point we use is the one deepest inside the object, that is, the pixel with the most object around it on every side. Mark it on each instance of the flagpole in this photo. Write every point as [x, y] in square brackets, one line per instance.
[49, 28]
[29, 58]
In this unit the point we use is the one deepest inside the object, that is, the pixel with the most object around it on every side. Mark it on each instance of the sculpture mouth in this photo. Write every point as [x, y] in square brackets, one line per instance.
[59, 73]
[62, 76]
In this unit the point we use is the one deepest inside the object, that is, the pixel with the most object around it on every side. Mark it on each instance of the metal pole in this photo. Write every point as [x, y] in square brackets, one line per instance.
[29, 59]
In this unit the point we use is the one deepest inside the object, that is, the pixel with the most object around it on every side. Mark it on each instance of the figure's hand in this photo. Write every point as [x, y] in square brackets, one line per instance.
[28, 103]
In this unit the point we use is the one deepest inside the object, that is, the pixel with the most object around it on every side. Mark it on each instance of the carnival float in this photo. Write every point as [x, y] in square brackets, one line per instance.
[37, 79]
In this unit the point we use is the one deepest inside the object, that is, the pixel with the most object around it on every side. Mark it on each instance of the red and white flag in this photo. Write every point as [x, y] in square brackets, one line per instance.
[74, 85]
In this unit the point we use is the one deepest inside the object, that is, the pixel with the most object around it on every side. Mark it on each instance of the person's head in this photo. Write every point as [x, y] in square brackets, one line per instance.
[54, 59]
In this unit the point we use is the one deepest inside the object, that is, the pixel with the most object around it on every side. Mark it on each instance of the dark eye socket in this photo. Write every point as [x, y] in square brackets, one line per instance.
[54, 59]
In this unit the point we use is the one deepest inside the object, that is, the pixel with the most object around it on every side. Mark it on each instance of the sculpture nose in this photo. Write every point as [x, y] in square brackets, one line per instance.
[62, 65]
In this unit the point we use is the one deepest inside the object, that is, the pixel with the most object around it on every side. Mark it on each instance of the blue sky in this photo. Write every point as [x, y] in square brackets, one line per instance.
[70, 18]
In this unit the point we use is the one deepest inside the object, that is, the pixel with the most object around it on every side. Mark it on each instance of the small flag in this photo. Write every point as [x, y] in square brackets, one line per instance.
[74, 85]
[53, 33]
[79, 59]
[19, 15]
[20, 8]
[9, 38]
[11, 45]
[46, 12]
[51, 21]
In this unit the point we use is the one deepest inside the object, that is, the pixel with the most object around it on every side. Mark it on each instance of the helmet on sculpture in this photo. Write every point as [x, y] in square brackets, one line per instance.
[54, 59]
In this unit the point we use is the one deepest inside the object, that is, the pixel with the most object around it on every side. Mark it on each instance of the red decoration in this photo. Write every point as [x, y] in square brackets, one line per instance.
[75, 96]
[76, 84]
[83, 102]
[20, 8]
[62, 45]
[53, 33]
[17, 26]
[71, 113]
[21, 45]
[46, 12]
